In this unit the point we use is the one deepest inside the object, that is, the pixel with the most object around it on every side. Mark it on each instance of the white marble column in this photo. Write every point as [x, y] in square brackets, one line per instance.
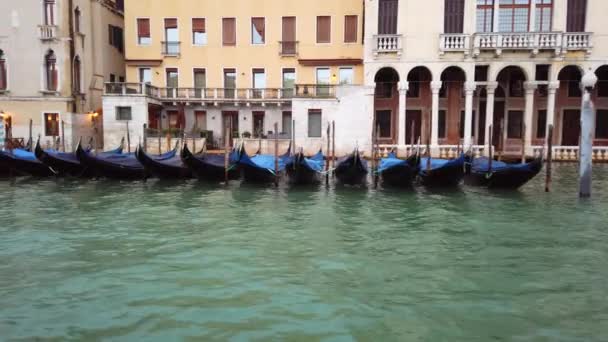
[551, 91]
[490, 91]
[469, 88]
[435, 87]
[401, 129]
[530, 88]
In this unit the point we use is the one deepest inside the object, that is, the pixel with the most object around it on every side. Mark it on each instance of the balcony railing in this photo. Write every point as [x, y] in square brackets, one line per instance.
[388, 43]
[48, 32]
[288, 48]
[170, 48]
[531, 41]
[220, 94]
[577, 41]
[457, 42]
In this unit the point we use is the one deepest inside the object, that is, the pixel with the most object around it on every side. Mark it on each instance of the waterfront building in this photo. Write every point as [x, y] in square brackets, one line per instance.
[55, 56]
[200, 67]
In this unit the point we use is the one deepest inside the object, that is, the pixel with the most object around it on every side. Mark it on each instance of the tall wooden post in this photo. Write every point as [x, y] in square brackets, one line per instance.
[376, 156]
[490, 150]
[327, 153]
[145, 138]
[160, 133]
[333, 144]
[501, 138]
[63, 136]
[523, 143]
[293, 136]
[412, 137]
[128, 138]
[276, 154]
[31, 142]
[226, 153]
[549, 159]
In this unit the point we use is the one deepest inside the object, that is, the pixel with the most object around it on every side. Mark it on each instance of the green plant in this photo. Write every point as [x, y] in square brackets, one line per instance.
[246, 135]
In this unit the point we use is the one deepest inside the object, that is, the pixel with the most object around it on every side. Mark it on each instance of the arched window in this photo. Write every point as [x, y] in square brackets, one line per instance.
[3, 77]
[50, 67]
[49, 12]
[77, 75]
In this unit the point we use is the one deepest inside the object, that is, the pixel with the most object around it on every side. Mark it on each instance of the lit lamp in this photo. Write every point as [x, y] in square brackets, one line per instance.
[586, 145]
[334, 79]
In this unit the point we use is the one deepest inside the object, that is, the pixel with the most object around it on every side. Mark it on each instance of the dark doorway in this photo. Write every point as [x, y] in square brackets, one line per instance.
[413, 119]
[230, 122]
[571, 127]
[383, 123]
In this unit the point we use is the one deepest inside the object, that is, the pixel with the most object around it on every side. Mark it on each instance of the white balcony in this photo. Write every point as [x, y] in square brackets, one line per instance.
[388, 44]
[47, 32]
[534, 42]
[454, 42]
[579, 41]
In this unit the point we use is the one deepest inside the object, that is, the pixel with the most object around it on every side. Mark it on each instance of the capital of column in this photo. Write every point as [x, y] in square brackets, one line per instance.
[491, 87]
[530, 87]
[436, 86]
[553, 86]
[404, 86]
[470, 87]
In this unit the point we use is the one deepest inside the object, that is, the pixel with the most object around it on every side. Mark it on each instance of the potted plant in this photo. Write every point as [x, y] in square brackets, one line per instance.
[247, 135]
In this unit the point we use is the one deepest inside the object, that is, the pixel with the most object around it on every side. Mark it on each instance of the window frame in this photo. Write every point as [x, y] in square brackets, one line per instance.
[314, 111]
[352, 69]
[44, 120]
[598, 127]
[356, 28]
[139, 74]
[513, 6]
[51, 79]
[192, 32]
[117, 112]
[264, 38]
[236, 36]
[137, 36]
[3, 71]
[487, 5]
[49, 12]
[540, 8]
[317, 29]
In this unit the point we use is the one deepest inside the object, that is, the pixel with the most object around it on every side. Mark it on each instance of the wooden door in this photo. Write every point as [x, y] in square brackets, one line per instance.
[230, 123]
[413, 118]
[577, 14]
[387, 16]
[571, 127]
[453, 16]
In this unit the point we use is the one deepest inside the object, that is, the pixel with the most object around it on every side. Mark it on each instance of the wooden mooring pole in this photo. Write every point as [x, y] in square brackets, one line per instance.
[333, 144]
[549, 159]
[490, 148]
[327, 153]
[145, 138]
[128, 139]
[276, 154]
[226, 154]
[63, 136]
[31, 142]
[523, 143]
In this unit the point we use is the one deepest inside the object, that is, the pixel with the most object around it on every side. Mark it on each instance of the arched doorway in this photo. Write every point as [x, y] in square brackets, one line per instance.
[509, 109]
[386, 105]
[568, 105]
[451, 106]
[601, 105]
[418, 105]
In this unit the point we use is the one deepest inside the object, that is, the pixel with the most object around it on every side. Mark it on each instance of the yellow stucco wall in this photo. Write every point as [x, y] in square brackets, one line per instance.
[244, 56]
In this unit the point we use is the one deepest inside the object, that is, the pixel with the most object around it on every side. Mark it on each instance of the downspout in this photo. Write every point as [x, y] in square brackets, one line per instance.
[72, 52]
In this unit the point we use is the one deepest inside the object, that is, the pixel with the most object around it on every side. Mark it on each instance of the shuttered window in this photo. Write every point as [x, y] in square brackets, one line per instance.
[323, 29]
[170, 23]
[350, 28]
[387, 16]
[143, 31]
[3, 78]
[288, 36]
[228, 31]
[49, 12]
[50, 65]
[577, 14]
[453, 16]
[314, 123]
[485, 15]
[199, 32]
[123, 113]
[258, 31]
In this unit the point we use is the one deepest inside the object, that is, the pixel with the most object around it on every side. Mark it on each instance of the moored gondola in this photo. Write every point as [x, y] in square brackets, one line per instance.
[120, 166]
[442, 172]
[352, 169]
[211, 167]
[396, 172]
[21, 162]
[67, 163]
[497, 174]
[167, 167]
[261, 168]
[302, 170]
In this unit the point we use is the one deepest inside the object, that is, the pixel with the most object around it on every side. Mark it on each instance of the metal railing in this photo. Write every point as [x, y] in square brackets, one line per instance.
[288, 48]
[48, 32]
[170, 48]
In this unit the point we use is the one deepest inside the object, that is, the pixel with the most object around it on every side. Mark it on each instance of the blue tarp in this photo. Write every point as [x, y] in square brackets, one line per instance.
[482, 164]
[437, 163]
[264, 161]
[23, 154]
[129, 159]
[315, 163]
[390, 162]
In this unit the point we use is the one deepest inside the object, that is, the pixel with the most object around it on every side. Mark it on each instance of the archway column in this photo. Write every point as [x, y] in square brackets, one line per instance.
[435, 87]
[551, 91]
[490, 92]
[401, 129]
[469, 88]
[530, 88]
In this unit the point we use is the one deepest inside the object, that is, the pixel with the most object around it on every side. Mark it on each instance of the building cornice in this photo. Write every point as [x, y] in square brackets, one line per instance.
[330, 62]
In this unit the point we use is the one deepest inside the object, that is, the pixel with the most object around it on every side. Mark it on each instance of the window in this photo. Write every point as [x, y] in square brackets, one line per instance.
[286, 122]
[49, 12]
[200, 120]
[143, 31]
[123, 113]
[121, 79]
[485, 15]
[115, 37]
[229, 31]
[515, 126]
[112, 78]
[120, 5]
[77, 19]
[51, 124]
[453, 16]
[383, 123]
[463, 120]
[323, 29]
[171, 37]
[51, 75]
[384, 90]
[77, 77]
[258, 124]
[601, 124]
[288, 45]
[258, 31]
[322, 81]
[173, 116]
[199, 33]
[200, 81]
[544, 15]
[346, 76]
[229, 83]
[289, 82]
[172, 78]
[541, 124]
[145, 75]
[314, 123]
[259, 82]
[577, 15]
[513, 15]
[574, 89]
[350, 28]
[3, 72]
[387, 16]
[442, 124]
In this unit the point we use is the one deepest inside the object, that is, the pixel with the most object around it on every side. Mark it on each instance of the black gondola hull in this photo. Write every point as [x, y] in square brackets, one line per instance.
[449, 176]
[206, 171]
[19, 167]
[102, 168]
[301, 175]
[401, 176]
[504, 179]
[60, 166]
[162, 170]
[256, 175]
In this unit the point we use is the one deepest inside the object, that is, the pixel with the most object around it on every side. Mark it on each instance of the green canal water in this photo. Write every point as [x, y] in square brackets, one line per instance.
[158, 261]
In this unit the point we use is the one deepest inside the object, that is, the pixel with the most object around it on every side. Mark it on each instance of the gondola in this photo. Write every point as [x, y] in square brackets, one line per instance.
[442, 172]
[261, 167]
[396, 172]
[352, 169]
[67, 164]
[120, 166]
[211, 167]
[302, 170]
[21, 162]
[497, 174]
[163, 168]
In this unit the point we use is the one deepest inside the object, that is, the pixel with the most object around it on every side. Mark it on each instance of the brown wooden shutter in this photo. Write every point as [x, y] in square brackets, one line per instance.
[171, 23]
[577, 13]
[289, 29]
[3, 84]
[259, 26]
[198, 25]
[453, 16]
[229, 31]
[387, 16]
[350, 28]
[143, 28]
[54, 79]
[323, 29]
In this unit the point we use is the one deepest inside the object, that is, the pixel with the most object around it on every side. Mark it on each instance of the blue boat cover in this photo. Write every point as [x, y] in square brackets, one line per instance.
[346, 162]
[71, 157]
[265, 161]
[390, 162]
[22, 154]
[315, 163]
[437, 163]
[482, 164]
[129, 159]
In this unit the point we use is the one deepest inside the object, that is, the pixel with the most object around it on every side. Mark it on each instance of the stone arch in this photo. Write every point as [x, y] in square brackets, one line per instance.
[386, 74]
[453, 73]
